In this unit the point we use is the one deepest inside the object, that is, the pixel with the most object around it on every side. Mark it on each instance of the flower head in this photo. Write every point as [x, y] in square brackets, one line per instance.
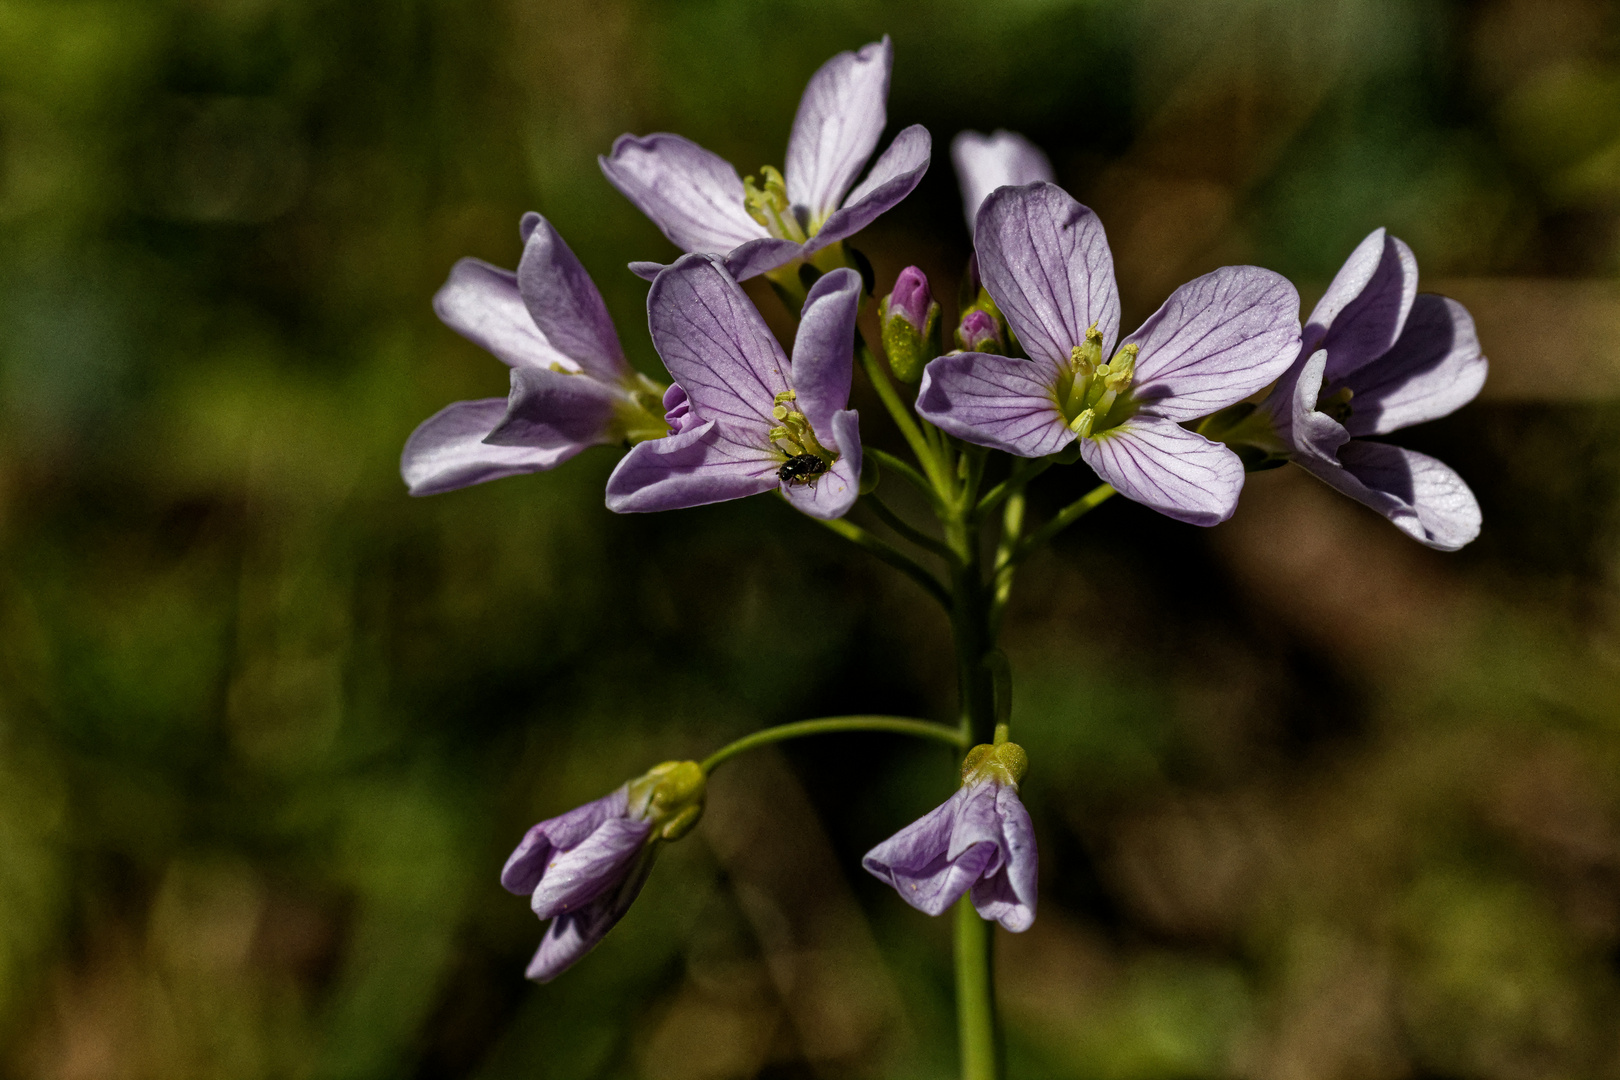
[701, 204]
[583, 869]
[571, 386]
[1216, 340]
[986, 162]
[980, 332]
[909, 318]
[745, 420]
[1376, 357]
[979, 841]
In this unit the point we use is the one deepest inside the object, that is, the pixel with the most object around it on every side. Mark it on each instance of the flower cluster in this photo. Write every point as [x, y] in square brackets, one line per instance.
[1170, 415]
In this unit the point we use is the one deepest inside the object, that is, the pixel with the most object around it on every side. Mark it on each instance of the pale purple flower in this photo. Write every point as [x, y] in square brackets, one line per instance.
[909, 321]
[571, 386]
[910, 299]
[1219, 338]
[986, 162]
[1376, 357]
[745, 420]
[979, 841]
[701, 204]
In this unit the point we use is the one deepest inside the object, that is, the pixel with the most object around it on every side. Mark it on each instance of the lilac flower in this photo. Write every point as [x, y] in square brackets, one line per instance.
[909, 320]
[571, 385]
[979, 841]
[986, 162]
[1376, 357]
[1216, 340]
[583, 869]
[742, 420]
[696, 198]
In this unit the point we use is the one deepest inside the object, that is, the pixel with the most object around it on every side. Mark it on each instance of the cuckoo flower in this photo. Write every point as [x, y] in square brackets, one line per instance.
[986, 162]
[571, 386]
[699, 202]
[1377, 356]
[979, 841]
[909, 320]
[743, 420]
[583, 869]
[1215, 341]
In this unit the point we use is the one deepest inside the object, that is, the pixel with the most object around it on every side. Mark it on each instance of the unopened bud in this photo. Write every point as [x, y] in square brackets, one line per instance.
[670, 796]
[980, 332]
[910, 319]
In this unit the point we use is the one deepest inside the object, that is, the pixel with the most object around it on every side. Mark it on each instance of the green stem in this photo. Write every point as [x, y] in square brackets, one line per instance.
[891, 555]
[1012, 527]
[905, 528]
[902, 416]
[1023, 471]
[1065, 517]
[898, 725]
[975, 993]
[898, 465]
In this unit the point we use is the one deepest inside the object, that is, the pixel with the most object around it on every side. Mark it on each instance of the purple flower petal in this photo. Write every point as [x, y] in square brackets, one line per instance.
[482, 303]
[1292, 405]
[693, 195]
[1003, 402]
[1046, 262]
[1362, 313]
[1423, 497]
[447, 450]
[577, 875]
[1177, 472]
[576, 933]
[715, 344]
[824, 347]
[917, 862]
[646, 270]
[1215, 341]
[760, 256]
[528, 862]
[554, 408]
[986, 162]
[565, 304]
[1432, 371]
[892, 178]
[709, 463]
[835, 490]
[1007, 896]
[837, 126]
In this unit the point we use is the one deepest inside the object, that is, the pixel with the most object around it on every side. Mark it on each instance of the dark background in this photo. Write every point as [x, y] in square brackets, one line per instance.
[1312, 800]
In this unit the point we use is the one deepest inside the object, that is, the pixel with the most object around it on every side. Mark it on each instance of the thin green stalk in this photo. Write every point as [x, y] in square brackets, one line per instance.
[904, 469]
[898, 725]
[902, 416]
[975, 994]
[1023, 471]
[905, 528]
[1012, 528]
[891, 555]
[1065, 517]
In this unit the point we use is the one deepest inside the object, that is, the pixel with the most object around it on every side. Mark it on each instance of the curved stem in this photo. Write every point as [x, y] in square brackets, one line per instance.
[902, 415]
[905, 528]
[896, 725]
[1023, 471]
[1065, 517]
[904, 469]
[891, 555]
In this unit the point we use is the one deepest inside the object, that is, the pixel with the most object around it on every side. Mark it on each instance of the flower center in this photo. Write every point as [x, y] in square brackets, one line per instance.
[1092, 395]
[1336, 404]
[793, 437]
[770, 207]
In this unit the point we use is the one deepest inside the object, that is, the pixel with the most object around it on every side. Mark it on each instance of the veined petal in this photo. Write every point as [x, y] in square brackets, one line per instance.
[915, 861]
[556, 408]
[578, 875]
[1423, 497]
[709, 463]
[1434, 369]
[986, 162]
[576, 933]
[837, 126]
[1007, 896]
[824, 347]
[1167, 468]
[528, 861]
[759, 256]
[482, 303]
[692, 194]
[892, 178]
[565, 304]
[1003, 402]
[835, 490]
[447, 450]
[1362, 313]
[715, 344]
[1045, 260]
[1292, 405]
[1215, 341]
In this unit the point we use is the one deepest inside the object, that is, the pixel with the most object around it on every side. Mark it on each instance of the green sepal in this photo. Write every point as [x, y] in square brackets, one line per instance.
[670, 796]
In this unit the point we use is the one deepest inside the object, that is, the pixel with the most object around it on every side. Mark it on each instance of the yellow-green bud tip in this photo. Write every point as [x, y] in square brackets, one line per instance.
[1004, 762]
[670, 796]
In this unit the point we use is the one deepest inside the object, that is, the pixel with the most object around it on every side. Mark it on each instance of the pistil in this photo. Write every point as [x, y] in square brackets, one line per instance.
[770, 206]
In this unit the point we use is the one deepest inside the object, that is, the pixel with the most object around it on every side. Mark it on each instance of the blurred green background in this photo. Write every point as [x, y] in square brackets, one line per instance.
[1312, 801]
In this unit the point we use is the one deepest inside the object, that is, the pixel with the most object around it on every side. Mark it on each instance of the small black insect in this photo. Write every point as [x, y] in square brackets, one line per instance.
[802, 469]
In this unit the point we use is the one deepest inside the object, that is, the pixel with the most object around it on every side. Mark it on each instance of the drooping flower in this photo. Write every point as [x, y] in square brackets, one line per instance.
[742, 420]
[1216, 340]
[583, 869]
[979, 841]
[1377, 356]
[909, 320]
[697, 199]
[986, 162]
[571, 386]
